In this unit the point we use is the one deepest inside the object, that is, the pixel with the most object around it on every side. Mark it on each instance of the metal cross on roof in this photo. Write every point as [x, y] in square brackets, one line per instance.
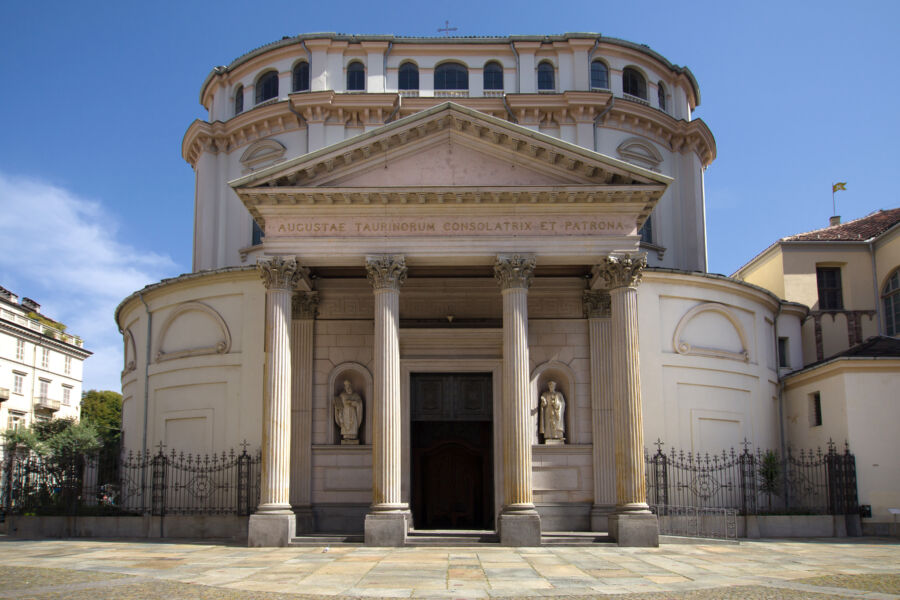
[446, 29]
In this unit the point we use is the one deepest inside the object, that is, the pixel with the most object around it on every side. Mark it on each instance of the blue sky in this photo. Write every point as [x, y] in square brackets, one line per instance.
[96, 201]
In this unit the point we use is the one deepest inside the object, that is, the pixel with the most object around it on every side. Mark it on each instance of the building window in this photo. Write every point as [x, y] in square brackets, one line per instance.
[356, 77]
[68, 365]
[661, 95]
[408, 77]
[20, 349]
[815, 409]
[890, 297]
[267, 87]
[451, 76]
[43, 387]
[493, 76]
[45, 358]
[633, 83]
[783, 355]
[256, 237]
[15, 419]
[828, 280]
[646, 231]
[67, 395]
[599, 75]
[18, 383]
[546, 81]
[41, 418]
[238, 99]
[300, 79]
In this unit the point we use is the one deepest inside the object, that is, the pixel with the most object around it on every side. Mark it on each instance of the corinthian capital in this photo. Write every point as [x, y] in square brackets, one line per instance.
[621, 271]
[514, 271]
[279, 273]
[305, 305]
[386, 271]
[597, 304]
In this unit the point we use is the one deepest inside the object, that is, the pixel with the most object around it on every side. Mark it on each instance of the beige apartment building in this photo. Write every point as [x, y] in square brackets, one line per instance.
[452, 283]
[41, 365]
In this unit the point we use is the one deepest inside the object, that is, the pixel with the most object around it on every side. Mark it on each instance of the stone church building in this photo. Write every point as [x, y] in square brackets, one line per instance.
[451, 283]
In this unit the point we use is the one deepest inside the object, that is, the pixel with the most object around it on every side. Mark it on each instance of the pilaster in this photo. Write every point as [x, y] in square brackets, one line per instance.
[598, 311]
[519, 523]
[632, 524]
[304, 310]
[273, 523]
[388, 520]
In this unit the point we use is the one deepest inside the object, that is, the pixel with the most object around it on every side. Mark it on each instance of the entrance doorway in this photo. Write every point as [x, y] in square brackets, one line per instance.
[452, 450]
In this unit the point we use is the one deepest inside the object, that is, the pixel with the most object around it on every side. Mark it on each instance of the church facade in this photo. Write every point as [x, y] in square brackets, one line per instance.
[451, 283]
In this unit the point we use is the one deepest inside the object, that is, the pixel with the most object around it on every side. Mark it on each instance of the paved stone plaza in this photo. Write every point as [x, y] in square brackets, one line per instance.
[97, 570]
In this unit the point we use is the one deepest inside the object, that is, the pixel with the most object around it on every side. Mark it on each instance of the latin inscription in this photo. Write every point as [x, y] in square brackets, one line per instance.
[590, 225]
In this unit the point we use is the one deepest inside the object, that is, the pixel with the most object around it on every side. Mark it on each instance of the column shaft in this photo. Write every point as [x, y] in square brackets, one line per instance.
[631, 490]
[387, 420]
[517, 434]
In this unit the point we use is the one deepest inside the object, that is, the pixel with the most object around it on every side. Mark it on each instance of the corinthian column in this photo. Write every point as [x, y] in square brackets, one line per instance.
[304, 309]
[274, 524]
[519, 524]
[633, 524]
[387, 522]
[598, 310]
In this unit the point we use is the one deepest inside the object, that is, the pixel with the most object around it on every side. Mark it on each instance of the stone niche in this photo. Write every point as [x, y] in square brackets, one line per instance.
[361, 380]
[541, 377]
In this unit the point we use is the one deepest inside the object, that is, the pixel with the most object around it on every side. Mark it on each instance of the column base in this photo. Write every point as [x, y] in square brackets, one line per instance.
[270, 530]
[635, 530]
[387, 528]
[520, 529]
[304, 518]
[600, 517]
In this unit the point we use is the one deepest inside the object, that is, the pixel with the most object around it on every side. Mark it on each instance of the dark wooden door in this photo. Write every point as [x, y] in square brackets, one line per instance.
[452, 457]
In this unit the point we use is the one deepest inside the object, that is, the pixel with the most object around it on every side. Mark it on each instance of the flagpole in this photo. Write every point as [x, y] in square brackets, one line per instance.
[833, 206]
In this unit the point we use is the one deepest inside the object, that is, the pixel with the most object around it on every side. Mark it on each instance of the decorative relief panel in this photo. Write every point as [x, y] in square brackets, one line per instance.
[711, 329]
[206, 327]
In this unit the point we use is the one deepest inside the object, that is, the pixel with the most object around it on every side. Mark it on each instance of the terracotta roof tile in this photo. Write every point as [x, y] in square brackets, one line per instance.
[865, 228]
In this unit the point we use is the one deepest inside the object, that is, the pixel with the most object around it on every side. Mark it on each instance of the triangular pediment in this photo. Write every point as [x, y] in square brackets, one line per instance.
[456, 154]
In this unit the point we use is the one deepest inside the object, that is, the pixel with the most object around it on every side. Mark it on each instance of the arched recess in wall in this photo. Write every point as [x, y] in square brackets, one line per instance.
[129, 354]
[361, 380]
[640, 152]
[564, 377]
[728, 340]
[201, 330]
[262, 154]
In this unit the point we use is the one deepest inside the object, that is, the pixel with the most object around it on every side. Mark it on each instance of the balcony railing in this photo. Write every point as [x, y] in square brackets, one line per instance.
[637, 99]
[46, 403]
[451, 93]
[47, 330]
[409, 93]
[493, 93]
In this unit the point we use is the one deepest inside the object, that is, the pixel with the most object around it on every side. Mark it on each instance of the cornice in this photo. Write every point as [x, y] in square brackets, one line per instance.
[367, 110]
[43, 340]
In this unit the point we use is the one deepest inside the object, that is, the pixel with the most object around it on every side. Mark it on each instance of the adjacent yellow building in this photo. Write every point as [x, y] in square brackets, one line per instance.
[846, 389]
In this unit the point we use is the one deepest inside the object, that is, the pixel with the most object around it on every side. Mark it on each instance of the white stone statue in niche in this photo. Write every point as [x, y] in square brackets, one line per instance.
[553, 415]
[348, 413]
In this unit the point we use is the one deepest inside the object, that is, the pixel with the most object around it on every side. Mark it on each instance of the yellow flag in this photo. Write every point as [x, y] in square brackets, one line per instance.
[839, 186]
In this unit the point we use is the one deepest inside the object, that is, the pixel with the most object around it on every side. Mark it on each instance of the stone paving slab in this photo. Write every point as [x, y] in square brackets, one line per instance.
[99, 569]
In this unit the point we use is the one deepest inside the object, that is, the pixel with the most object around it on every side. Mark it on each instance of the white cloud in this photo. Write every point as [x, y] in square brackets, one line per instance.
[62, 251]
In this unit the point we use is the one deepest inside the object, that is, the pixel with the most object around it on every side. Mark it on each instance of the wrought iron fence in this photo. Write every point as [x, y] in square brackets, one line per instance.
[137, 483]
[754, 482]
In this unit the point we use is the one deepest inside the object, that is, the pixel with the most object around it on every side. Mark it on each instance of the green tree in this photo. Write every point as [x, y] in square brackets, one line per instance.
[103, 410]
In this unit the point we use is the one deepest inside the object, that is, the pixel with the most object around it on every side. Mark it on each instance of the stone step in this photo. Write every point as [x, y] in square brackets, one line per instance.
[451, 537]
[574, 538]
[326, 539]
